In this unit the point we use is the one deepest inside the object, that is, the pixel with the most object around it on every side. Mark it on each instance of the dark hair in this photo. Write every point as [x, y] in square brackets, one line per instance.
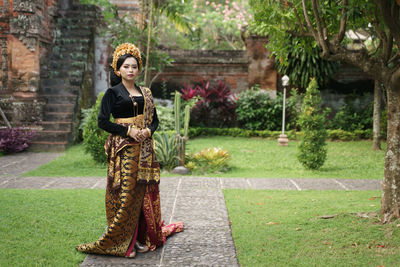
[114, 79]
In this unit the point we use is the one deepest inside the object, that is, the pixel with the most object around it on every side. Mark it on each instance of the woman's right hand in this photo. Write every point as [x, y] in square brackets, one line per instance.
[134, 133]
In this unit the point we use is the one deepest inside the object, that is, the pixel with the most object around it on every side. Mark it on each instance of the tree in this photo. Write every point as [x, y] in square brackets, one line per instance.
[312, 148]
[376, 129]
[325, 23]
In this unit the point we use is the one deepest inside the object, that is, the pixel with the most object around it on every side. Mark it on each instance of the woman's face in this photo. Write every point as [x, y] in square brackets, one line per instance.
[129, 69]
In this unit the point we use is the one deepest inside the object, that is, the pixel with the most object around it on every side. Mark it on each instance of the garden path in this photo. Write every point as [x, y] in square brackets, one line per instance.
[197, 201]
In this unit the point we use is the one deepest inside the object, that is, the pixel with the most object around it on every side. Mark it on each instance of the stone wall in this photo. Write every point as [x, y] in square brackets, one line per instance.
[131, 6]
[193, 67]
[261, 69]
[26, 35]
[240, 69]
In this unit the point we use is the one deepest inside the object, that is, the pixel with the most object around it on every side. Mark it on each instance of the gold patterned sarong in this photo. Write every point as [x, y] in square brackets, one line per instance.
[132, 195]
[123, 208]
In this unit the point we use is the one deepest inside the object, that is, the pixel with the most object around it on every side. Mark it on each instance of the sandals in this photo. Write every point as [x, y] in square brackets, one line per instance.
[132, 254]
[138, 248]
[141, 248]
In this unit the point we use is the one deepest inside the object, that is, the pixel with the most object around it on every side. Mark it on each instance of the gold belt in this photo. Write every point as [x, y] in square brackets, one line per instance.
[138, 120]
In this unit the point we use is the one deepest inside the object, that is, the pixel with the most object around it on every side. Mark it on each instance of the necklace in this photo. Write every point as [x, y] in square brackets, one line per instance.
[135, 105]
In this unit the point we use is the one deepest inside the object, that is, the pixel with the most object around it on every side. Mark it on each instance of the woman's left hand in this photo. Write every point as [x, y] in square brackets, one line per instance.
[142, 135]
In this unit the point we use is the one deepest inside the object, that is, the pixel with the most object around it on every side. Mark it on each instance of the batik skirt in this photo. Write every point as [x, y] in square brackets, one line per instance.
[133, 211]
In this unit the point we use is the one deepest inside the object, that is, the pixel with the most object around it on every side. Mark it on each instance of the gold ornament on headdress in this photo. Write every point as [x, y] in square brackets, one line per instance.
[123, 49]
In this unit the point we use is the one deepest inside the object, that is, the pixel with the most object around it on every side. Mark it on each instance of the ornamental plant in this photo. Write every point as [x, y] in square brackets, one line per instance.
[209, 160]
[215, 106]
[166, 149]
[256, 110]
[94, 138]
[312, 148]
[15, 139]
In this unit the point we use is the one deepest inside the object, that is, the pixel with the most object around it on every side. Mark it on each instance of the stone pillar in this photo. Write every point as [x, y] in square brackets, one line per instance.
[102, 54]
[261, 66]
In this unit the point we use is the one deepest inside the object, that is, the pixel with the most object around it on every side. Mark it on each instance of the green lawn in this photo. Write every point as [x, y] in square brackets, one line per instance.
[270, 228]
[284, 228]
[251, 157]
[42, 227]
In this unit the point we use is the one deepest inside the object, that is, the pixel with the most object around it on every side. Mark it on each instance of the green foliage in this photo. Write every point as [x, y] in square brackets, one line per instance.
[110, 11]
[94, 138]
[209, 160]
[312, 150]
[279, 21]
[303, 64]
[356, 114]
[166, 150]
[333, 135]
[257, 111]
[214, 24]
[166, 118]
[127, 29]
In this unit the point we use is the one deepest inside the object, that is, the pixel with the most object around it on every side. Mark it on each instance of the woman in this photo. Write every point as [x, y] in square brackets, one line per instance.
[132, 196]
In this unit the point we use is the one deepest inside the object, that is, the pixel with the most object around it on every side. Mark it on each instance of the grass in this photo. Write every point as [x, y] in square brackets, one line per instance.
[75, 163]
[284, 228]
[251, 157]
[42, 227]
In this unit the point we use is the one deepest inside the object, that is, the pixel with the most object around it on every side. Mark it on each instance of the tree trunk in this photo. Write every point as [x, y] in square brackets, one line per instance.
[149, 25]
[391, 182]
[376, 142]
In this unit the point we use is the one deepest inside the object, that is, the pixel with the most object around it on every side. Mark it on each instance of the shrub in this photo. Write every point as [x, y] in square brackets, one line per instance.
[94, 138]
[356, 114]
[166, 118]
[166, 150]
[15, 139]
[312, 151]
[257, 111]
[209, 160]
[215, 106]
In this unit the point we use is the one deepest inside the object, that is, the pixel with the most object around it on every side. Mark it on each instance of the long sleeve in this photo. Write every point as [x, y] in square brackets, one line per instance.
[154, 124]
[103, 121]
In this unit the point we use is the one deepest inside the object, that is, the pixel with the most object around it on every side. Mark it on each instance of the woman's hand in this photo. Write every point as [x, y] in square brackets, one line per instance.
[143, 134]
[138, 135]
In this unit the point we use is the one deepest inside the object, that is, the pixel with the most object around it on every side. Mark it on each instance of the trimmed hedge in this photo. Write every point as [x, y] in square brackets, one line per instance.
[333, 135]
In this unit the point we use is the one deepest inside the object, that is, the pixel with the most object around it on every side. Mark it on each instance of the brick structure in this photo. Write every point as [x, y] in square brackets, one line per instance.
[46, 62]
[131, 6]
[240, 69]
[26, 33]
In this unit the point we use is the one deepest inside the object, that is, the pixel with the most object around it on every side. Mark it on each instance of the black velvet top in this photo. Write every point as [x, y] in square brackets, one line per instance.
[116, 101]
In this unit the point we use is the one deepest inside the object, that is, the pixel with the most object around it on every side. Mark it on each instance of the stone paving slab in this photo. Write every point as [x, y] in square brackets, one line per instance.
[227, 183]
[18, 163]
[319, 184]
[362, 184]
[271, 183]
[207, 238]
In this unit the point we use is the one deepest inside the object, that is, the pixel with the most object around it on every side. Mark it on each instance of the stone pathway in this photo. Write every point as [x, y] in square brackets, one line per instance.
[197, 201]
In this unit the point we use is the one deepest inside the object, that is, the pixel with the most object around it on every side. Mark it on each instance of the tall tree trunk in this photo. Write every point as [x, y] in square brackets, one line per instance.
[149, 25]
[391, 182]
[376, 142]
[141, 22]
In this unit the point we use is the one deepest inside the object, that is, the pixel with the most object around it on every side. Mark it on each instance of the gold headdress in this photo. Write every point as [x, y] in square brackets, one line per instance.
[123, 49]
